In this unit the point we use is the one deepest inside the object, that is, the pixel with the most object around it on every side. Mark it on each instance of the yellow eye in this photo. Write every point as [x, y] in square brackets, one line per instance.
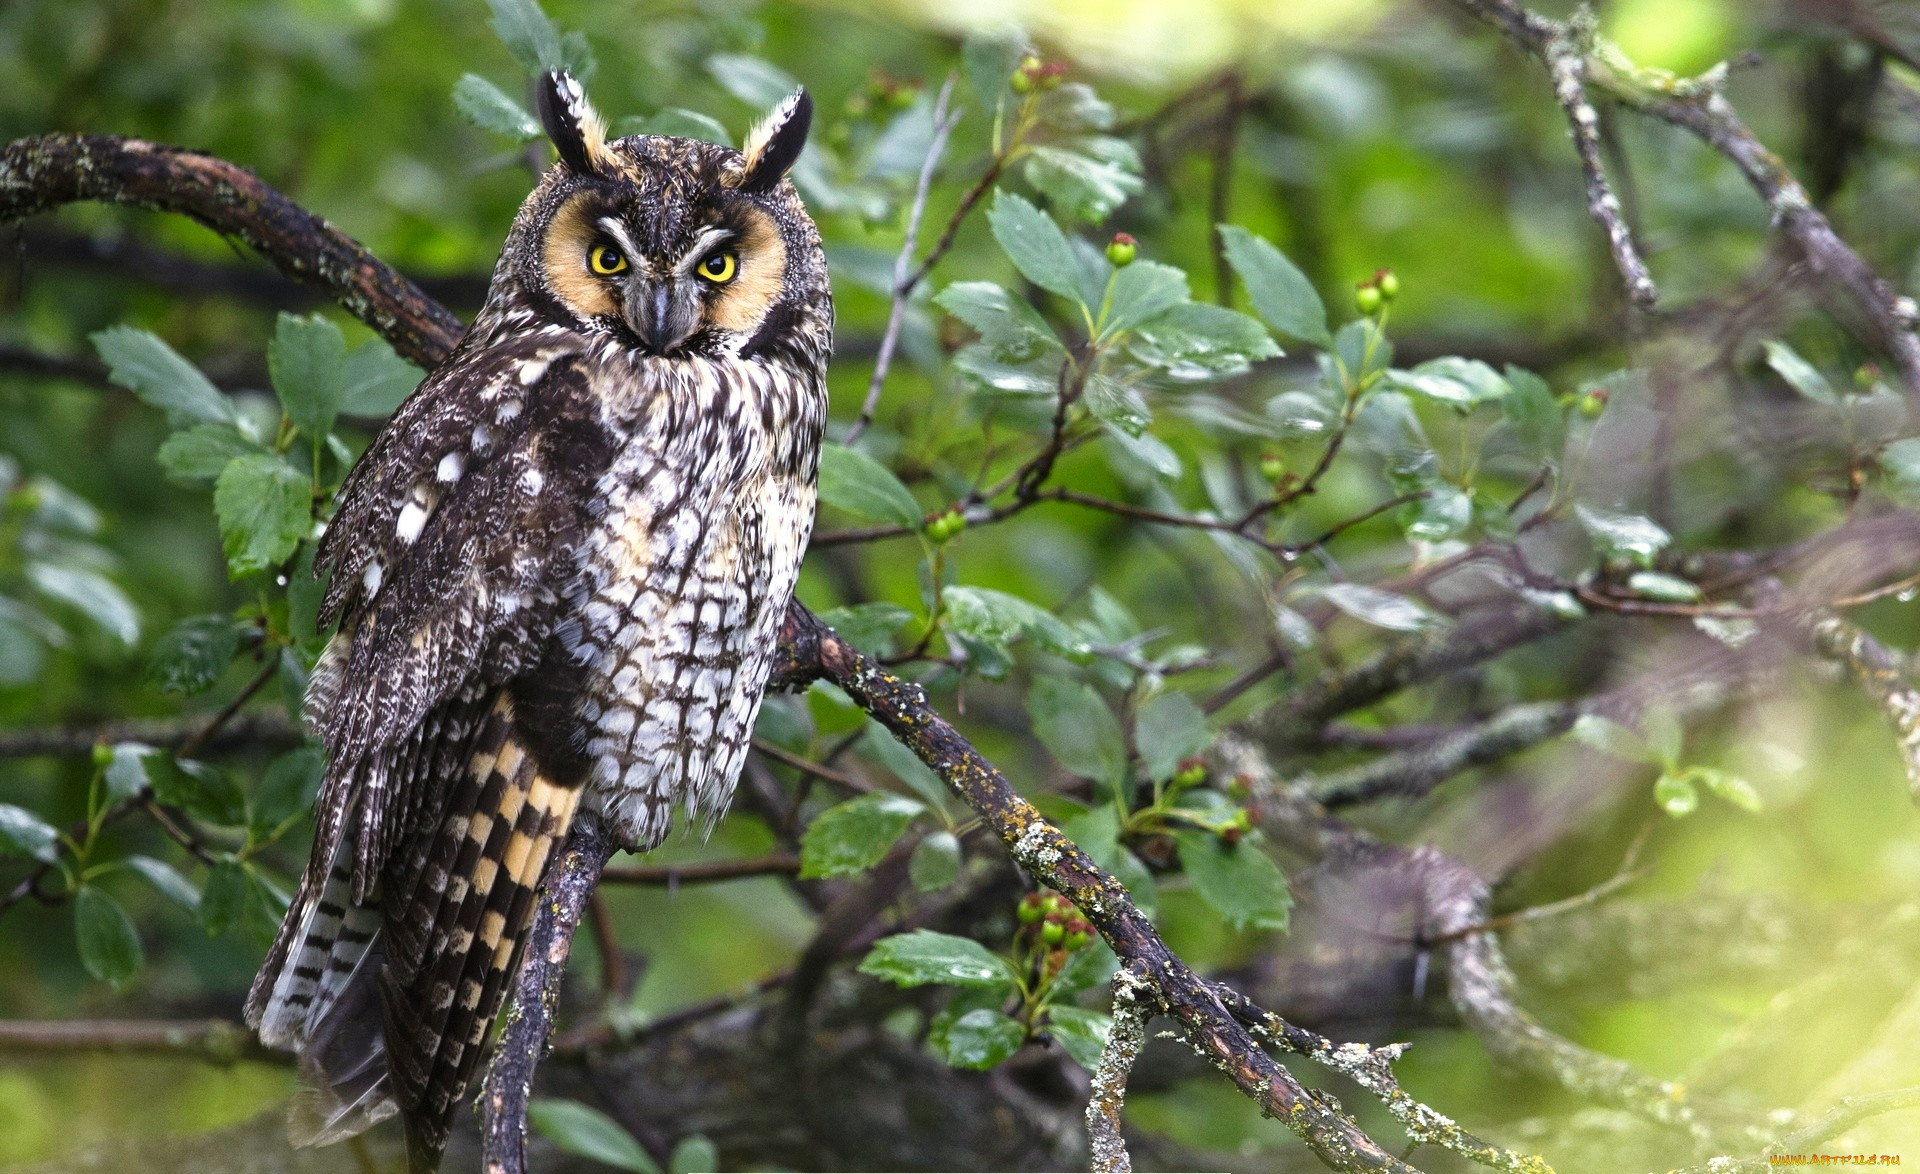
[719, 267]
[605, 260]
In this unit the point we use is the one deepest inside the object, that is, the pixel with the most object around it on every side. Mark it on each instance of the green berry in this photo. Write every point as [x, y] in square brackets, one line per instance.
[1273, 466]
[102, 754]
[1593, 403]
[1388, 283]
[1122, 249]
[1023, 77]
[1866, 375]
[1032, 908]
[1368, 300]
[1192, 773]
[1052, 932]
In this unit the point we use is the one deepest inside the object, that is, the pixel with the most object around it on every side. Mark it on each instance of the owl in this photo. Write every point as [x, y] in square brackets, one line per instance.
[559, 575]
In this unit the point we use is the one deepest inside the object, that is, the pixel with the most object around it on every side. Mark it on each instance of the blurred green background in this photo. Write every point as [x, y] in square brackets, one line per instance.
[1377, 134]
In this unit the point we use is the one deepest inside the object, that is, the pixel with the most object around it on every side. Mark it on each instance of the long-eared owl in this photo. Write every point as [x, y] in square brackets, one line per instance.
[559, 575]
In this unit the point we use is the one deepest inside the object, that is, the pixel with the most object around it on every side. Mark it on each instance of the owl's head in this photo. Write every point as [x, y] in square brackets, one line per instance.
[675, 246]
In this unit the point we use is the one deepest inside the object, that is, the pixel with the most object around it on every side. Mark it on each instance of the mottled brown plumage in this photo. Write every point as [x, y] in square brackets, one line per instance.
[558, 575]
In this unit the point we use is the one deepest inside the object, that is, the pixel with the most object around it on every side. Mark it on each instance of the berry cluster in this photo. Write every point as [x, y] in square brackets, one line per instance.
[1375, 292]
[1035, 74]
[1052, 922]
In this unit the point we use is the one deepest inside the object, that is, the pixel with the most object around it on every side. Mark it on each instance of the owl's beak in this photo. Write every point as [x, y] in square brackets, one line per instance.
[662, 313]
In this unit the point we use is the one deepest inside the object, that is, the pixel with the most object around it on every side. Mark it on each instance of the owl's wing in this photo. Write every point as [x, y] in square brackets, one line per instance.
[454, 537]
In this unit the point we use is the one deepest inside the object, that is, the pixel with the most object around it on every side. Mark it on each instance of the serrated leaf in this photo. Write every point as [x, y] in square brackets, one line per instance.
[197, 455]
[1168, 728]
[288, 787]
[1088, 181]
[997, 619]
[978, 1039]
[109, 946]
[1537, 420]
[1631, 536]
[166, 878]
[925, 956]
[586, 1132]
[223, 898]
[1013, 330]
[527, 33]
[263, 505]
[126, 773]
[1459, 383]
[855, 482]
[1140, 292]
[201, 789]
[1800, 375]
[1444, 512]
[935, 863]
[1082, 1033]
[1035, 244]
[1280, 293]
[489, 107]
[853, 836]
[904, 764]
[1194, 340]
[1610, 737]
[870, 627]
[1240, 881]
[22, 833]
[1097, 832]
[307, 360]
[1675, 795]
[140, 362]
[194, 653]
[90, 593]
[1117, 405]
[1072, 720]
[1381, 608]
[377, 381]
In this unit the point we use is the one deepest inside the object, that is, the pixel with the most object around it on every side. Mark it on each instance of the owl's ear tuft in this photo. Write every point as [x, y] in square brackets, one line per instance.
[774, 145]
[572, 123]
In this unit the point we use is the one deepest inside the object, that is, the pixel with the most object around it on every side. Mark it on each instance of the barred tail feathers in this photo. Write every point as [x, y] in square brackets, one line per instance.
[455, 921]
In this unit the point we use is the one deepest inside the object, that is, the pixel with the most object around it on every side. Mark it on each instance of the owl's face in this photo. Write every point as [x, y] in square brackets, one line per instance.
[674, 246]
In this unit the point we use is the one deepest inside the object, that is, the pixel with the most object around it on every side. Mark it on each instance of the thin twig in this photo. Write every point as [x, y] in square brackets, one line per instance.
[672, 875]
[1566, 60]
[906, 280]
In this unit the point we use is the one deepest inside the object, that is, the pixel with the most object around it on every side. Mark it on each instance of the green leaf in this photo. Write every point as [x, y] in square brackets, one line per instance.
[109, 947]
[978, 1039]
[1088, 182]
[489, 107]
[586, 1132]
[1801, 375]
[990, 56]
[1082, 1033]
[200, 789]
[1195, 341]
[1610, 737]
[377, 381]
[305, 594]
[997, 619]
[1119, 406]
[1012, 329]
[1035, 244]
[1085, 970]
[1661, 729]
[694, 1155]
[288, 788]
[1900, 461]
[22, 833]
[196, 455]
[1629, 536]
[126, 774]
[155, 372]
[870, 627]
[754, 80]
[1443, 513]
[1077, 728]
[1463, 384]
[91, 594]
[935, 863]
[1167, 729]
[924, 956]
[1536, 418]
[1675, 795]
[166, 878]
[855, 482]
[263, 505]
[1730, 787]
[194, 653]
[853, 836]
[1280, 293]
[224, 897]
[1381, 608]
[527, 33]
[680, 123]
[904, 764]
[307, 360]
[1142, 291]
[1663, 587]
[1240, 881]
